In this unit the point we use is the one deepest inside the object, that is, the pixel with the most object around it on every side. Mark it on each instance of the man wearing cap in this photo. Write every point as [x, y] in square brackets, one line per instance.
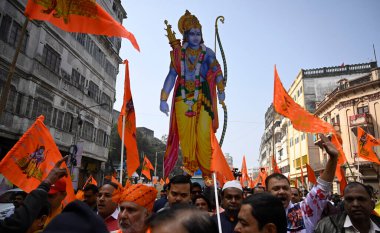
[232, 195]
[136, 204]
[56, 195]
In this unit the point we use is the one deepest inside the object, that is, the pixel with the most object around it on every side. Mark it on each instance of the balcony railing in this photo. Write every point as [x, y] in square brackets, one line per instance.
[360, 119]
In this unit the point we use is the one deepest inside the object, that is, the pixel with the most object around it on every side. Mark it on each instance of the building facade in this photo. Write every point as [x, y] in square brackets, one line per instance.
[354, 103]
[69, 78]
[293, 149]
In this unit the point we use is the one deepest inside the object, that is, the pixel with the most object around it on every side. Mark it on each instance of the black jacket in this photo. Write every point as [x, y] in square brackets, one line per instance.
[335, 223]
[24, 216]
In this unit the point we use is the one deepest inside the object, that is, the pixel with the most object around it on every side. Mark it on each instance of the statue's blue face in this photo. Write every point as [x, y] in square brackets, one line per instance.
[194, 37]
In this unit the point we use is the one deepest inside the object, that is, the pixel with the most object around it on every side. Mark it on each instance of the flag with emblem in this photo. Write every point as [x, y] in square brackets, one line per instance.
[366, 142]
[31, 159]
[84, 16]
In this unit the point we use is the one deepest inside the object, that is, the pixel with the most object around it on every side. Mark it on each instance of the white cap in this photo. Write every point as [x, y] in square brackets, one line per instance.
[232, 184]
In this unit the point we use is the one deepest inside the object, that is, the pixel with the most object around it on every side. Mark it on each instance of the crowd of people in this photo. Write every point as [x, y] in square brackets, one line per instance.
[184, 206]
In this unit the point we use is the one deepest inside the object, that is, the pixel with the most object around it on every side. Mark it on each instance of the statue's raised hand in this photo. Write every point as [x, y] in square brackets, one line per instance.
[164, 107]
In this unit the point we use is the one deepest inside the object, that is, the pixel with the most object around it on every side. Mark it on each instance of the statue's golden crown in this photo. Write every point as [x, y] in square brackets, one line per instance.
[188, 21]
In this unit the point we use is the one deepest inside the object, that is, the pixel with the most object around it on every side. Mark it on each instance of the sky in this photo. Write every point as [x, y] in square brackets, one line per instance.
[256, 35]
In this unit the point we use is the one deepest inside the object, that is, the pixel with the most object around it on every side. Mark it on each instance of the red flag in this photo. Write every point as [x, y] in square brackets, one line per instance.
[303, 120]
[302, 178]
[311, 174]
[274, 165]
[147, 166]
[219, 164]
[244, 173]
[128, 111]
[366, 142]
[84, 16]
[31, 159]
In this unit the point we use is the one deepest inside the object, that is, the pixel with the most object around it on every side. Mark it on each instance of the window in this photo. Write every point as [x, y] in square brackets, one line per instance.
[106, 99]
[59, 122]
[18, 104]
[337, 119]
[93, 90]
[11, 32]
[100, 137]
[29, 106]
[291, 142]
[363, 109]
[301, 90]
[67, 121]
[77, 79]
[12, 97]
[296, 140]
[42, 107]
[88, 130]
[51, 59]
[303, 136]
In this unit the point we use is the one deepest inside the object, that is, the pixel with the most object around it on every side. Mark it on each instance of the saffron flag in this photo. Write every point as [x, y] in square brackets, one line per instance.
[147, 166]
[154, 180]
[305, 121]
[167, 181]
[244, 174]
[90, 180]
[311, 174]
[219, 164]
[80, 195]
[85, 16]
[274, 165]
[162, 182]
[128, 112]
[31, 159]
[366, 142]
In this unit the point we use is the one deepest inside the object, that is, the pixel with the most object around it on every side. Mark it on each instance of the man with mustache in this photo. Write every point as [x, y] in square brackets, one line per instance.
[357, 217]
[303, 216]
[135, 204]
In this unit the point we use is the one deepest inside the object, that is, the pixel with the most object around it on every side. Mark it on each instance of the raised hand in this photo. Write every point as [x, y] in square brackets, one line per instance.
[328, 146]
[57, 173]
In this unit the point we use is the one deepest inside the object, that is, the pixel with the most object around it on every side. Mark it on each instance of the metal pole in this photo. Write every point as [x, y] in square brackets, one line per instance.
[217, 203]
[122, 152]
[163, 167]
[4, 94]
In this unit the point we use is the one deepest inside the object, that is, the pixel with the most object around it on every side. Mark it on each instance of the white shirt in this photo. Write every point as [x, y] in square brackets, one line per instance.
[349, 227]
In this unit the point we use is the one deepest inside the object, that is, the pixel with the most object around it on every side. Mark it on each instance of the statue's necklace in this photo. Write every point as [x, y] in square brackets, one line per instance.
[197, 80]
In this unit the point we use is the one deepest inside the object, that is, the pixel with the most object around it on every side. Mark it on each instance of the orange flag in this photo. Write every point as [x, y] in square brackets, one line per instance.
[304, 121]
[219, 164]
[311, 174]
[162, 182]
[127, 184]
[154, 180]
[90, 180]
[79, 195]
[31, 159]
[263, 175]
[244, 174]
[167, 181]
[147, 166]
[274, 165]
[366, 142]
[128, 111]
[85, 16]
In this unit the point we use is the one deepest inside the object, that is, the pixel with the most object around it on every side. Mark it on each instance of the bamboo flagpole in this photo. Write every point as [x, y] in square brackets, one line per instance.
[217, 203]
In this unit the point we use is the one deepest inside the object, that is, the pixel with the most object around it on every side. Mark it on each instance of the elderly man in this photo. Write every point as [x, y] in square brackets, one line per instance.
[261, 212]
[136, 204]
[303, 216]
[107, 208]
[357, 217]
[232, 195]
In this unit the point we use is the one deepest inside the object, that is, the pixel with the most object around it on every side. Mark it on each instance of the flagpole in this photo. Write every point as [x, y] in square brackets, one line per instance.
[122, 152]
[217, 203]
[4, 94]
[155, 165]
